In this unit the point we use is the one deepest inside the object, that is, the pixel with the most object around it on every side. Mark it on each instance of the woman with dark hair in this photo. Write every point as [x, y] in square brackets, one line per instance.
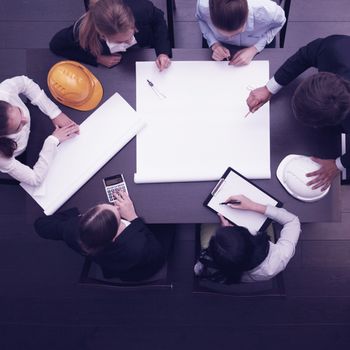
[235, 255]
[110, 27]
[113, 236]
[15, 129]
[251, 24]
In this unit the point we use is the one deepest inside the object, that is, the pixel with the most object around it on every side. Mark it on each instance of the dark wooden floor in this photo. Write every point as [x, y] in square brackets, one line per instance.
[42, 306]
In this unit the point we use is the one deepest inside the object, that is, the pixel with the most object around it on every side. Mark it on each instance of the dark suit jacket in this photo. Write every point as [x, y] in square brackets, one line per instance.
[150, 23]
[135, 255]
[331, 54]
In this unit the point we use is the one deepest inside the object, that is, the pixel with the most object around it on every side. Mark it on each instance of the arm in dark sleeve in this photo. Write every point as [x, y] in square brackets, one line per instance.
[51, 227]
[303, 59]
[154, 254]
[62, 226]
[160, 33]
[65, 44]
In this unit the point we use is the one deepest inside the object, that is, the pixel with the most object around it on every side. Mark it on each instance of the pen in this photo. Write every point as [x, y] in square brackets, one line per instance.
[246, 115]
[233, 201]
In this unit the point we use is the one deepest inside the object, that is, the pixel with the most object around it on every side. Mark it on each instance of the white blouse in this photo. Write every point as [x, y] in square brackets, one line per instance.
[10, 89]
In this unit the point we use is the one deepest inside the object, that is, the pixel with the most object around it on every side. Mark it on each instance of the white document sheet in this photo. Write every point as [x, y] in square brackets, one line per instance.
[195, 122]
[104, 133]
[234, 185]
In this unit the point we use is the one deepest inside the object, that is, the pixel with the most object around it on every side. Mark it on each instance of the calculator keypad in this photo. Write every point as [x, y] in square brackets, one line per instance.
[115, 189]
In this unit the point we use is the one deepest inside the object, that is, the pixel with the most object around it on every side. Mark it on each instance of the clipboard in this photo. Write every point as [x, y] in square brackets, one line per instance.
[232, 182]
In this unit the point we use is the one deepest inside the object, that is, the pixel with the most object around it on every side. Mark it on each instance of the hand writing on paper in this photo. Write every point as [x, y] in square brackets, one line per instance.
[125, 206]
[245, 204]
[110, 60]
[325, 175]
[244, 56]
[257, 98]
[66, 132]
[220, 52]
[163, 61]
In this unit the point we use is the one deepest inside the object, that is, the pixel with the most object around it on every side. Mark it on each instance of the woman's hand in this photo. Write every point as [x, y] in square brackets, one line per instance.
[125, 206]
[110, 60]
[163, 61]
[224, 222]
[244, 56]
[63, 120]
[244, 203]
[220, 52]
[66, 132]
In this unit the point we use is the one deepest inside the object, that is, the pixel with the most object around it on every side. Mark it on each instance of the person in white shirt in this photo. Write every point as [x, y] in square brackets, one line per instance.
[248, 23]
[15, 129]
[234, 255]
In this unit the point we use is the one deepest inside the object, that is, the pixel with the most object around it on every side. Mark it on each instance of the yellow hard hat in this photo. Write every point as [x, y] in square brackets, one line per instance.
[74, 85]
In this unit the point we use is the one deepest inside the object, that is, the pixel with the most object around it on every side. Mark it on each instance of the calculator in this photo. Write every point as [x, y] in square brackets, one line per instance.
[113, 185]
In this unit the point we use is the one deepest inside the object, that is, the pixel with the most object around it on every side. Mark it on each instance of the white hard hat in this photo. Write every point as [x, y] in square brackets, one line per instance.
[291, 173]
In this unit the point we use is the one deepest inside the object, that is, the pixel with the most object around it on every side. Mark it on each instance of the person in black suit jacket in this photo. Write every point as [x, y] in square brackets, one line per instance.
[113, 236]
[109, 27]
[320, 100]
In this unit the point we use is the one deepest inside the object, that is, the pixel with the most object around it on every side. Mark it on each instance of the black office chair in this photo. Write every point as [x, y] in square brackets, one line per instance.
[345, 147]
[92, 275]
[285, 4]
[170, 8]
[270, 288]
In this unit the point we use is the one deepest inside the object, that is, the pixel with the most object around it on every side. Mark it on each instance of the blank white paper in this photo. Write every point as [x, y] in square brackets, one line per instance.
[104, 133]
[195, 122]
[235, 185]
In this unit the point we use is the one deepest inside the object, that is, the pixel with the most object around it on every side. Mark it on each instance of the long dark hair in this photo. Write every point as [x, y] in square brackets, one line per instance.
[97, 228]
[234, 250]
[7, 145]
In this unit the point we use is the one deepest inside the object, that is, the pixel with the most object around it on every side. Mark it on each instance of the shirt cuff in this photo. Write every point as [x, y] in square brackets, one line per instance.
[54, 140]
[339, 164]
[273, 86]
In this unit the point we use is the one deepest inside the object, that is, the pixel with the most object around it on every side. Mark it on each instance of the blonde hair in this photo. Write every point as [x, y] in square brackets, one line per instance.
[104, 17]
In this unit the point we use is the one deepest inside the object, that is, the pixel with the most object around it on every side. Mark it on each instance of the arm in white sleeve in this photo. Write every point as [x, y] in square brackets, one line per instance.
[274, 17]
[289, 234]
[339, 164]
[24, 173]
[24, 85]
[206, 31]
[273, 86]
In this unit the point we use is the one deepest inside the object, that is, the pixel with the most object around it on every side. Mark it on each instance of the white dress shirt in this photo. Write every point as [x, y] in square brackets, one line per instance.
[265, 20]
[280, 252]
[10, 90]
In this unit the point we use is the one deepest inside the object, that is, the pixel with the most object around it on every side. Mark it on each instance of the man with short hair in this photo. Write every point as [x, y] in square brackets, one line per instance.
[321, 100]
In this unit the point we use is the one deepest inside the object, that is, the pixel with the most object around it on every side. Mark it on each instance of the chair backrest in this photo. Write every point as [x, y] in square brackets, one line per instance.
[92, 275]
[285, 4]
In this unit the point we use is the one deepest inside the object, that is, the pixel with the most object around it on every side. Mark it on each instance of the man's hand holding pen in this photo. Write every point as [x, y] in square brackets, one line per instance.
[257, 98]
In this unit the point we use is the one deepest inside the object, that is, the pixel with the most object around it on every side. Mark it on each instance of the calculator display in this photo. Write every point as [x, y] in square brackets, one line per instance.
[113, 180]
